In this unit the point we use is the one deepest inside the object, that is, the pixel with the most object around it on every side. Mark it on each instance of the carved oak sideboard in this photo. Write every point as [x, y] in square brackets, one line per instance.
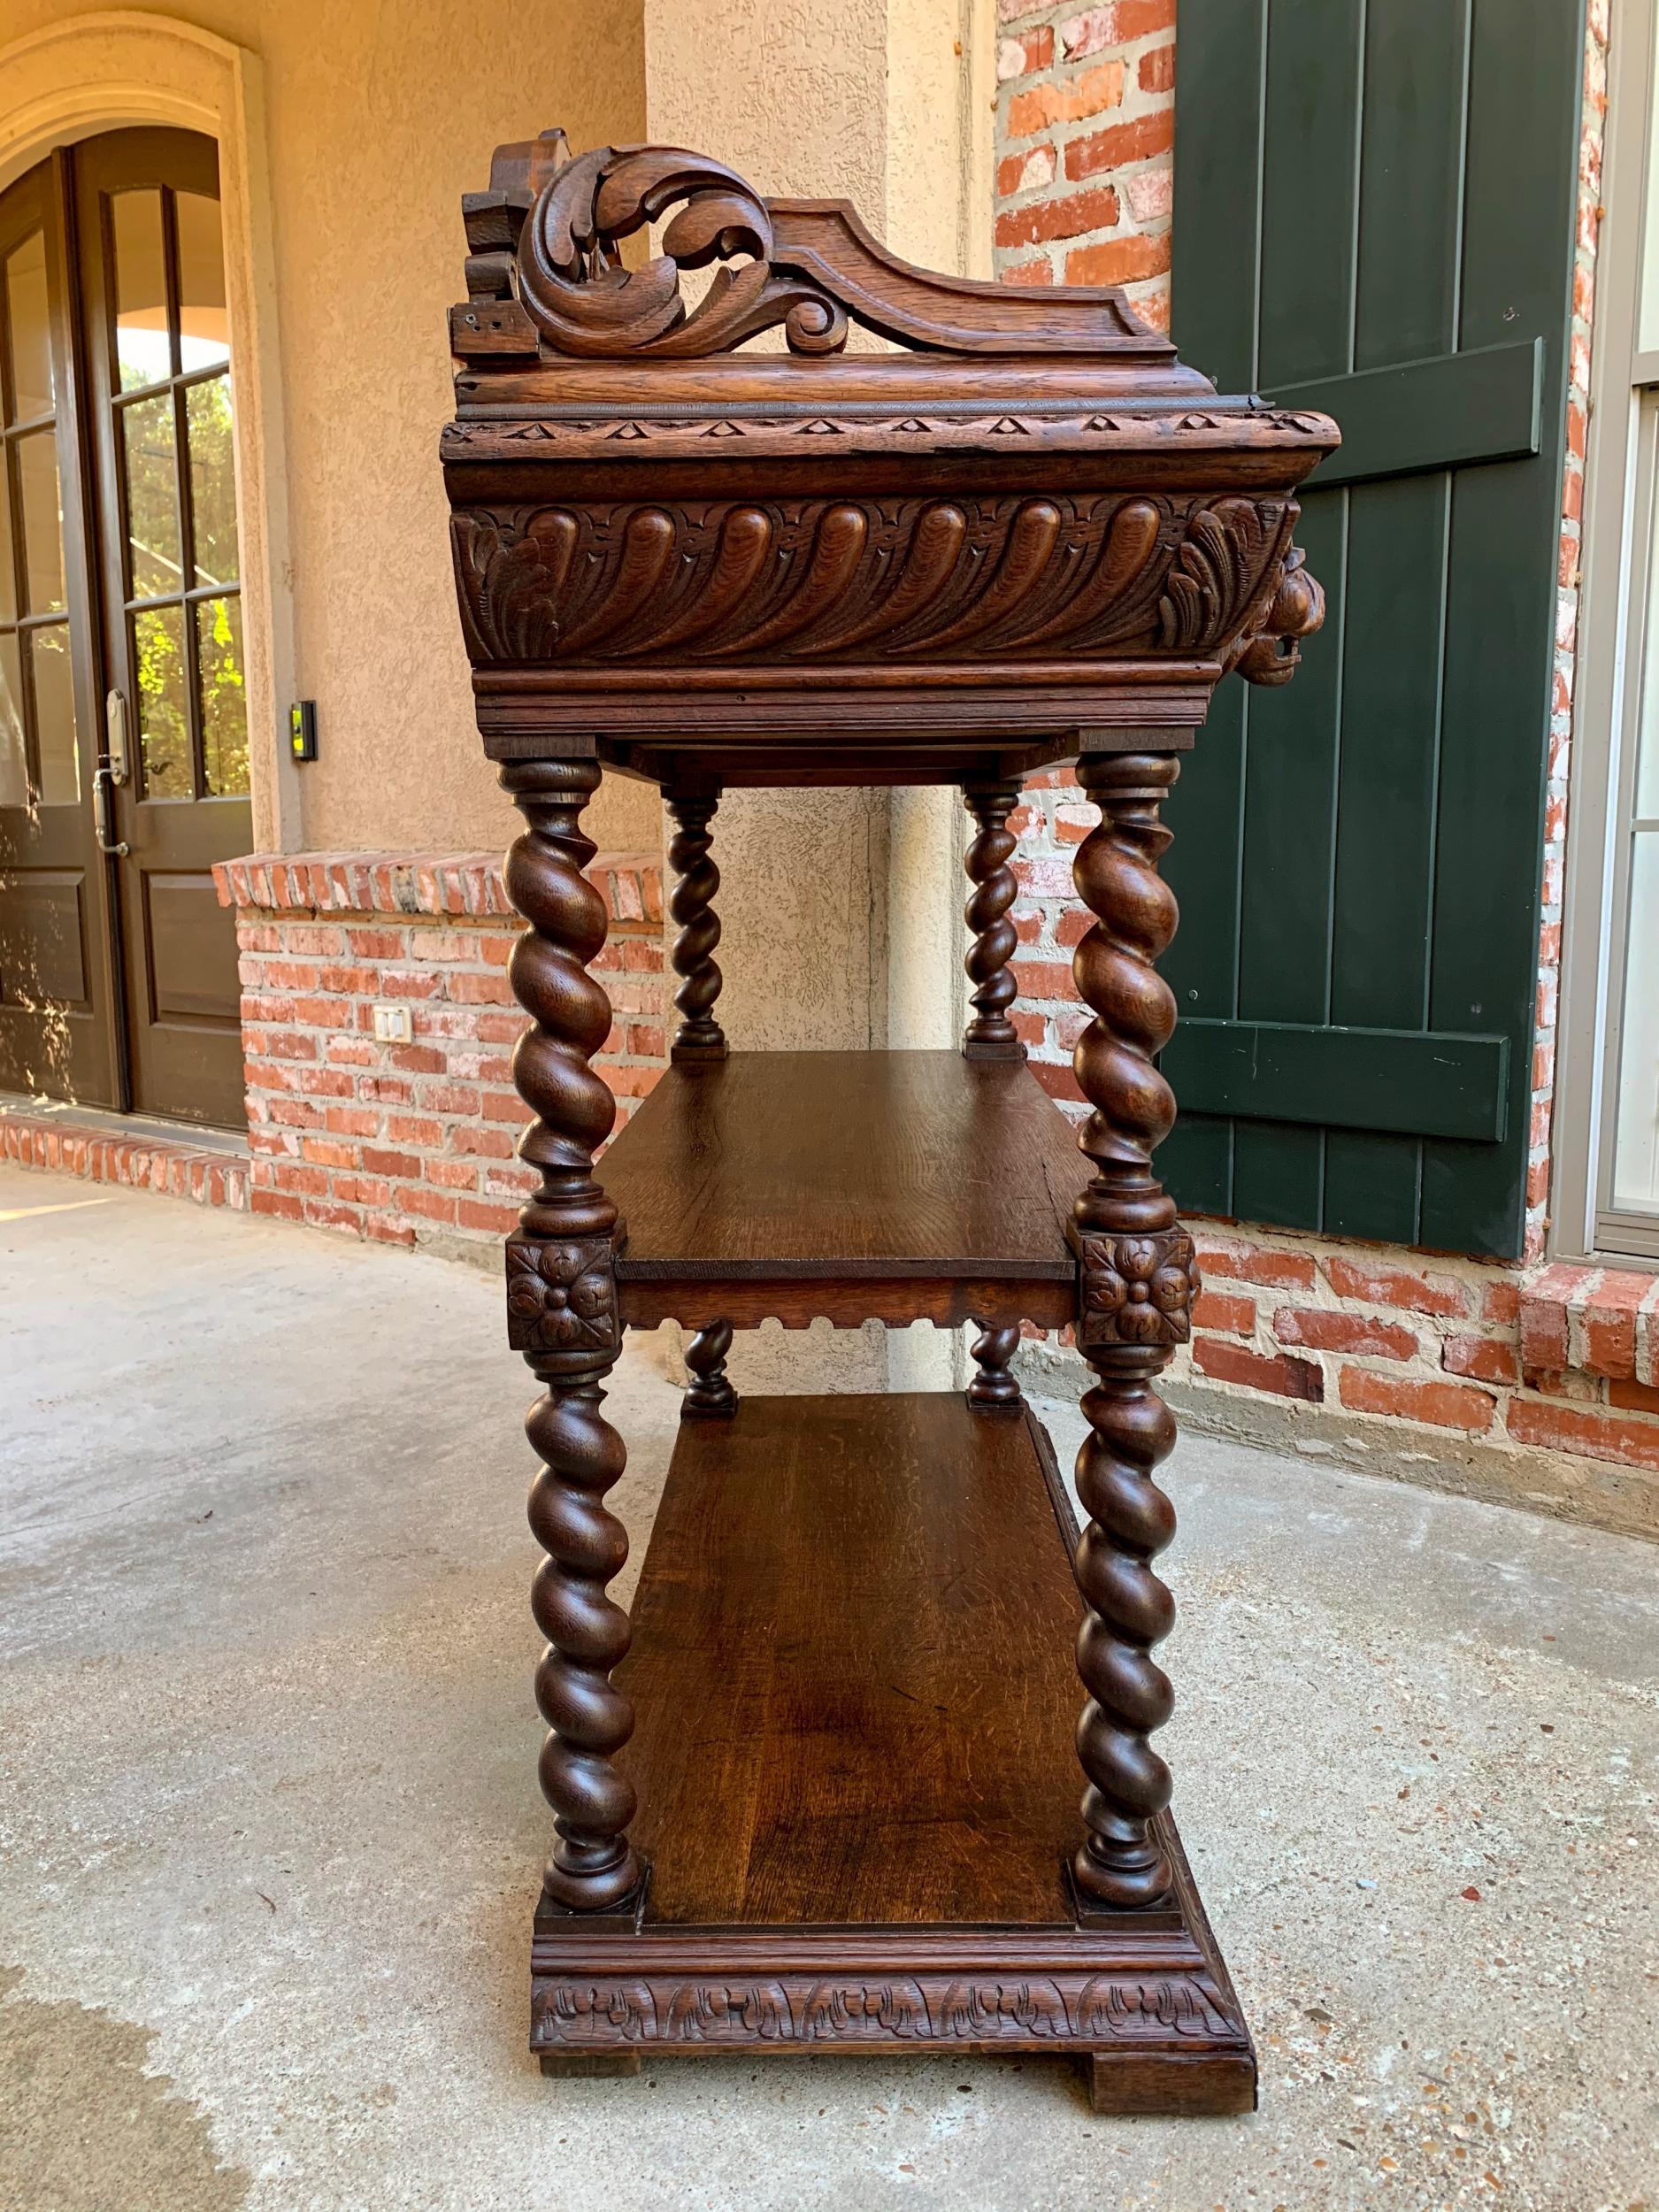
[822, 1792]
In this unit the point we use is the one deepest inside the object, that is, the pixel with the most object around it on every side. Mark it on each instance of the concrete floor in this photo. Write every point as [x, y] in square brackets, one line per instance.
[271, 1828]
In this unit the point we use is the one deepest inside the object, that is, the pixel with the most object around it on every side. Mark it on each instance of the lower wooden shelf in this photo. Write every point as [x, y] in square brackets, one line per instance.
[856, 1687]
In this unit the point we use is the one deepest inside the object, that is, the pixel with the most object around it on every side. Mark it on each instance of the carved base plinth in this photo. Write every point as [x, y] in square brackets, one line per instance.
[1143, 1999]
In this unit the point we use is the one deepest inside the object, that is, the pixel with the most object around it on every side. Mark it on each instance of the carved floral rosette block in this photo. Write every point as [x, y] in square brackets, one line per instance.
[1137, 1289]
[562, 1300]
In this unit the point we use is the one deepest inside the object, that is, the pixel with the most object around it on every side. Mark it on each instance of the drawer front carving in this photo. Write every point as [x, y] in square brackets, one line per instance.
[803, 580]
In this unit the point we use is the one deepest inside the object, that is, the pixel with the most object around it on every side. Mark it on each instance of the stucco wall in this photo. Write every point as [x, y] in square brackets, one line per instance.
[850, 896]
[378, 119]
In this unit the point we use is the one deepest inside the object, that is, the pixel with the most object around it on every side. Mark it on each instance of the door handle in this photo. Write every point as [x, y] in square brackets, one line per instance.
[115, 735]
[103, 813]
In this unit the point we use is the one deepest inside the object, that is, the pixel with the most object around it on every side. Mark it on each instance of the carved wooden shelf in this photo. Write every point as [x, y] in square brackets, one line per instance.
[896, 1186]
[831, 1801]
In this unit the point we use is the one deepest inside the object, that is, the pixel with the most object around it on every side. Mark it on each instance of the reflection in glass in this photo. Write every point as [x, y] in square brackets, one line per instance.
[164, 728]
[43, 523]
[8, 574]
[14, 769]
[213, 480]
[149, 455]
[224, 697]
[55, 715]
[203, 325]
[143, 350]
[25, 320]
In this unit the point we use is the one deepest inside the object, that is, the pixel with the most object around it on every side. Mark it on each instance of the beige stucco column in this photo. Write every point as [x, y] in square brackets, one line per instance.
[840, 907]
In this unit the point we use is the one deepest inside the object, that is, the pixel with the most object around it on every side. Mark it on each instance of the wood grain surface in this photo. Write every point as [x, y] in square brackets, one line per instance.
[853, 1670]
[780, 1164]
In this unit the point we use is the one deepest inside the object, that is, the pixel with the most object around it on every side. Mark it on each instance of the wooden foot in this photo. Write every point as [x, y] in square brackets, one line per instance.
[562, 2066]
[710, 1393]
[1220, 2084]
[994, 1390]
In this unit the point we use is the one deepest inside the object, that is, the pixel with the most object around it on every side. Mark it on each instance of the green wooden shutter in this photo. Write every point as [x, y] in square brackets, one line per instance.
[1374, 215]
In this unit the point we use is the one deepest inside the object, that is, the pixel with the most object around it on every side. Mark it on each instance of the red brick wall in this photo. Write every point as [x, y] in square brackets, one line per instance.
[1085, 125]
[410, 1143]
[1086, 140]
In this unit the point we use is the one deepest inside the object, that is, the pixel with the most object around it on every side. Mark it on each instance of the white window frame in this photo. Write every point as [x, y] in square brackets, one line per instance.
[1620, 541]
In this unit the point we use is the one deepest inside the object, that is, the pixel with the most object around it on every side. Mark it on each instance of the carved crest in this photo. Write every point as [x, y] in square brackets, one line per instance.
[583, 301]
[547, 239]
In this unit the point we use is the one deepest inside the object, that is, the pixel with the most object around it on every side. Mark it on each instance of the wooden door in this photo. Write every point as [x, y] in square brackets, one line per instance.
[1374, 216]
[159, 406]
[58, 993]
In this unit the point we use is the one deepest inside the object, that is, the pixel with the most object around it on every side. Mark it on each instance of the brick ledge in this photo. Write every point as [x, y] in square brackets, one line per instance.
[172, 1168]
[1592, 1321]
[441, 884]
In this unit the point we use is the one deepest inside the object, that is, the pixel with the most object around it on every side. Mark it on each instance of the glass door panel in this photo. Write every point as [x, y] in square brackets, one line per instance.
[159, 340]
[38, 765]
[58, 1018]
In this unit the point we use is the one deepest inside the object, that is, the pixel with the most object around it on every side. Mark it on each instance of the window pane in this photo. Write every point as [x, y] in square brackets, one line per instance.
[224, 697]
[14, 771]
[43, 523]
[26, 321]
[213, 480]
[55, 716]
[1648, 734]
[203, 326]
[143, 350]
[1636, 1152]
[150, 456]
[164, 725]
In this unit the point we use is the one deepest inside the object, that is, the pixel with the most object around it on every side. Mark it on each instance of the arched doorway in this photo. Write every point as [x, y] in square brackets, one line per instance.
[123, 711]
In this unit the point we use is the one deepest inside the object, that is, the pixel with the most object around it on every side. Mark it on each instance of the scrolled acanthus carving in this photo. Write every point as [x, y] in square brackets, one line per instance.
[583, 301]
[639, 2008]
[916, 579]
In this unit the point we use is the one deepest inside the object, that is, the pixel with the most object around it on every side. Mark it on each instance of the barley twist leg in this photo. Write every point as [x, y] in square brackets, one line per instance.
[991, 1035]
[1136, 1285]
[699, 1036]
[562, 1315]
